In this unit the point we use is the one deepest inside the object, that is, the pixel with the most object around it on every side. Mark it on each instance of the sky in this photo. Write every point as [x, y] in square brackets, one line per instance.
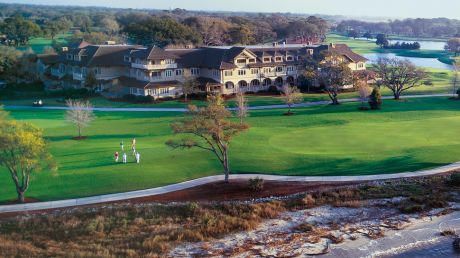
[358, 8]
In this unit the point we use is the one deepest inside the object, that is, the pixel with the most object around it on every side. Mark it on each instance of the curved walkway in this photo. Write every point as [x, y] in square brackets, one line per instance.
[305, 104]
[211, 179]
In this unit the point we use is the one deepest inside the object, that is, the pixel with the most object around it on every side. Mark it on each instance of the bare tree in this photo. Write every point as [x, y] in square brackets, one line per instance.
[334, 77]
[242, 106]
[455, 80]
[398, 75]
[364, 91]
[189, 86]
[209, 129]
[453, 45]
[80, 113]
[291, 96]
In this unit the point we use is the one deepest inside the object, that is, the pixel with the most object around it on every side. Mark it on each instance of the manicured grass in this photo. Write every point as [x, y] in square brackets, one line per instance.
[365, 47]
[323, 140]
[38, 45]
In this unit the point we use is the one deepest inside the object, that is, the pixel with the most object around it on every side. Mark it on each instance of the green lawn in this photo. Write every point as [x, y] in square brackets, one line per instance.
[39, 44]
[365, 47]
[323, 140]
[439, 78]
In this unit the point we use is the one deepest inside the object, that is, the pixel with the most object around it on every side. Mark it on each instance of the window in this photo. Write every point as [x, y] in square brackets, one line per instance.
[179, 72]
[360, 65]
[156, 74]
[98, 70]
[279, 68]
[241, 61]
[195, 71]
[77, 58]
[252, 60]
[127, 58]
[215, 73]
[278, 59]
[169, 61]
[310, 51]
[289, 58]
[254, 71]
[241, 72]
[290, 68]
[69, 57]
[228, 73]
[266, 59]
[168, 73]
[267, 70]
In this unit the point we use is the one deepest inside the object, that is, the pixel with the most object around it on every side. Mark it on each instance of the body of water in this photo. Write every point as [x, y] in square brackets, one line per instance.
[418, 61]
[440, 249]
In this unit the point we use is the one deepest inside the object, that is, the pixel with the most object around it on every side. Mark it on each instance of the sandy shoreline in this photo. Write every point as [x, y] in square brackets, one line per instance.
[367, 231]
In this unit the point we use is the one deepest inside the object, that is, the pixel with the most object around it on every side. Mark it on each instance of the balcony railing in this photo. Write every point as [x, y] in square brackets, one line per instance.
[78, 76]
[154, 66]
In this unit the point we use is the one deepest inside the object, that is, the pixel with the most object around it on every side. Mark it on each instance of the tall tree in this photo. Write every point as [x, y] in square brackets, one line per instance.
[291, 96]
[208, 128]
[189, 86]
[333, 77]
[453, 45]
[9, 62]
[23, 152]
[398, 75]
[80, 113]
[110, 26]
[241, 106]
[382, 40]
[455, 80]
[90, 79]
[19, 30]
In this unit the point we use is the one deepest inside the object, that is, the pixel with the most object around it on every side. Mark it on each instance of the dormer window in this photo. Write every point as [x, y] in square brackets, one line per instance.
[252, 60]
[289, 58]
[310, 51]
[278, 59]
[267, 59]
[169, 61]
[241, 61]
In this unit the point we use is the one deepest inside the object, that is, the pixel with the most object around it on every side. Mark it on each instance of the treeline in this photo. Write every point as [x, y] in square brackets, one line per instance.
[18, 23]
[437, 27]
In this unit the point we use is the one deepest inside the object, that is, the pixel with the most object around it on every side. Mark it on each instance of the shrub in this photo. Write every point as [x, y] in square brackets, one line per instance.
[455, 179]
[256, 184]
[448, 232]
[304, 227]
[375, 99]
[273, 89]
[138, 99]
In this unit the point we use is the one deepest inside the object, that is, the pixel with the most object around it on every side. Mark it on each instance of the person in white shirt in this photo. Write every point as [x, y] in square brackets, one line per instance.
[125, 158]
[138, 157]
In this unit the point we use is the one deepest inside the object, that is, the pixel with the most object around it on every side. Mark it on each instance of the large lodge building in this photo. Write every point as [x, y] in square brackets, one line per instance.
[137, 70]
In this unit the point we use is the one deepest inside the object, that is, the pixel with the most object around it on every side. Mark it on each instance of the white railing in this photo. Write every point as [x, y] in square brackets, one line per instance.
[78, 76]
[154, 66]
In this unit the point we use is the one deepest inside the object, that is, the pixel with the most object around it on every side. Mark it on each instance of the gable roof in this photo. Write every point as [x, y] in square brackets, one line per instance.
[344, 50]
[102, 55]
[153, 53]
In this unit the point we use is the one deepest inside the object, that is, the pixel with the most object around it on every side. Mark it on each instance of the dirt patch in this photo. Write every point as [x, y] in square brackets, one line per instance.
[238, 190]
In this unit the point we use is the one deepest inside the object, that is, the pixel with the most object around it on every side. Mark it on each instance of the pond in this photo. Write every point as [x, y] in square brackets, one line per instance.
[418, 61]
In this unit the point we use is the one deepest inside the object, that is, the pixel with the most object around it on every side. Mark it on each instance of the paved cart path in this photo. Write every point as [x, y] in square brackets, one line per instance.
[211, 179]
[305, 104]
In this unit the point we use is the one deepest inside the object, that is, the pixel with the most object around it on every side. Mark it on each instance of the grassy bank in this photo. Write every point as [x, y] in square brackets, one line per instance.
[38, 45]
[323, 140]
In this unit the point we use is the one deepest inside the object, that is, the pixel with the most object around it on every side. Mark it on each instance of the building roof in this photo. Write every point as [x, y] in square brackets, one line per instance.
[153, 53]
[344, 50]
[49, 59]
[102, 55]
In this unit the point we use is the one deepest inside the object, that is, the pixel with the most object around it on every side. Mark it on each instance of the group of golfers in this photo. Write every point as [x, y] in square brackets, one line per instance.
[124, 157]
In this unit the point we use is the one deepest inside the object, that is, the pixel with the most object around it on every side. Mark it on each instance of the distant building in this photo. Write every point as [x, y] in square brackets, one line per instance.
[157, 72]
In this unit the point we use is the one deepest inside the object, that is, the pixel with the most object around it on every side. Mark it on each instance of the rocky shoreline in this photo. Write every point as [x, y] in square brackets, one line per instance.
[366, 229]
